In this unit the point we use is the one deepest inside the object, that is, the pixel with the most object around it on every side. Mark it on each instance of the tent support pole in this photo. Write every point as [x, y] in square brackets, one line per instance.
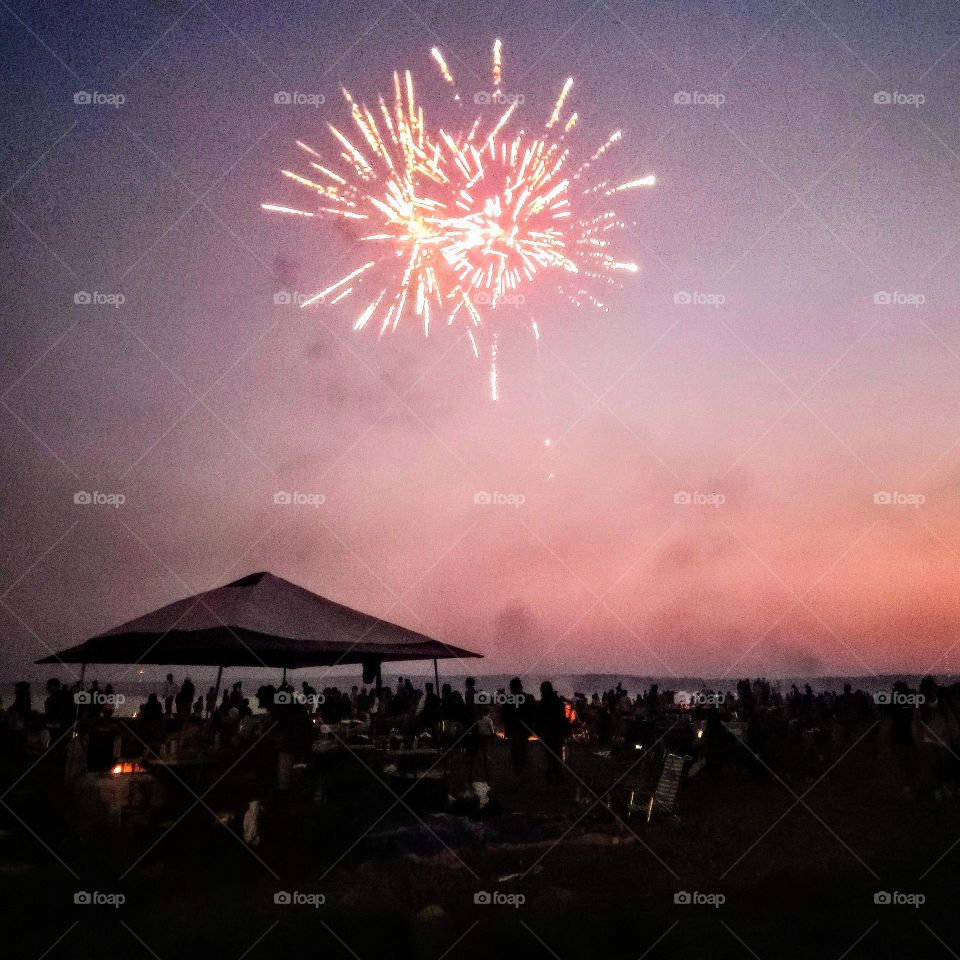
[436, 677]
[216, 692]
[284, 681]
[83, 670]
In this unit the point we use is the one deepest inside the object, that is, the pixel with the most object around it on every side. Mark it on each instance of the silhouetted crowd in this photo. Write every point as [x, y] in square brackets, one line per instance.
[923, 725]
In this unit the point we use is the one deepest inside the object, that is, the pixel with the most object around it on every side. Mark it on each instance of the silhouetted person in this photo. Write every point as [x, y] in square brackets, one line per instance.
[151, 711]
[211, 701]
[514, 715]
[451, 705]
[95, 704]
[552, 728]
[184, 699]
[170, 691]
[22, 701]
[59, 707]
[430, 714]
[266, 697]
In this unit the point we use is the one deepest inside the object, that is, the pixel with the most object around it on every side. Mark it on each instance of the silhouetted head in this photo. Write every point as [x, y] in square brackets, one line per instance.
[516, 685]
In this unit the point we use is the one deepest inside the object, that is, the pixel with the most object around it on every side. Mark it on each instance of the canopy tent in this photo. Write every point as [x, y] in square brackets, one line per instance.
[260, 620]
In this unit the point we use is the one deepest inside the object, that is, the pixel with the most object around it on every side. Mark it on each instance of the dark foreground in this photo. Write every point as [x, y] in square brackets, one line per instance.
[798, 859]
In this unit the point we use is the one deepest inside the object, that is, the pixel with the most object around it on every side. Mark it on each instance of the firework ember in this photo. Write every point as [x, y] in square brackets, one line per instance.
[457, 223]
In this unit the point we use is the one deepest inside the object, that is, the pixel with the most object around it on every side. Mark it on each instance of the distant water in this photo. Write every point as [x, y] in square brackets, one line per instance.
[589, 683]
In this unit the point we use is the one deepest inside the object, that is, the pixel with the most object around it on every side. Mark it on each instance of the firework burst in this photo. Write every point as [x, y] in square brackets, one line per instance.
[457, 224]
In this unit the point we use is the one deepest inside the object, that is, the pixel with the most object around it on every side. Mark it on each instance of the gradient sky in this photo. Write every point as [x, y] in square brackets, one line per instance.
[797, 399]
